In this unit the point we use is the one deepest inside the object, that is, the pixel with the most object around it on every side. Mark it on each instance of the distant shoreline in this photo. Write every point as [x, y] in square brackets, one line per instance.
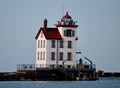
[108, 74]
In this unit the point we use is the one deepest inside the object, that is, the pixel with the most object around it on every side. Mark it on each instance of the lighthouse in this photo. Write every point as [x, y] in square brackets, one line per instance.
[56, 54]
[56, 47]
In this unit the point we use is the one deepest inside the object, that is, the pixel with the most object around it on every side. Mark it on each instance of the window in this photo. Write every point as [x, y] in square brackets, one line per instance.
[41, 34]
[69, 66]
[61, 43]
[53, 43]
[65, 32]
[41, 43]
[61, 56]
[69, 33]
[69, 56]
[73, 33]
[69, 44]
[43, 55]
[38, 55]
[38, 43]
[40, 65]
[52, 55]
[44, 44]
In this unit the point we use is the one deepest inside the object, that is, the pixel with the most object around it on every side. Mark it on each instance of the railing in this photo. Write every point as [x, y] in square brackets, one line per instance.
[44, 66]
[26, 67]
[41, 66]
[86, 66]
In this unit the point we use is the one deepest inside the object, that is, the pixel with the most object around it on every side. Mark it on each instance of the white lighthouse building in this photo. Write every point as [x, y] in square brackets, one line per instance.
[56, 47]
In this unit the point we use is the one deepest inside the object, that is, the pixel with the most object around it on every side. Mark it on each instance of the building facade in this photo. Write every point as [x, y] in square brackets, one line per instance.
[56, 47]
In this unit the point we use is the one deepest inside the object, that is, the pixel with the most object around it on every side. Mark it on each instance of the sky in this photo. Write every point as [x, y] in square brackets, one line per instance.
[98, 31]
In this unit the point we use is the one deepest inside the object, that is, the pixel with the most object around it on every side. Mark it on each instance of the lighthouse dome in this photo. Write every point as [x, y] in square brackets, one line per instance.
[66, 18]
[66, 21]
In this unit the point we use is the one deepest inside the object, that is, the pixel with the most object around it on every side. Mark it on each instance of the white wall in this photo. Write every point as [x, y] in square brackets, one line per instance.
[42, 62]
[66, 39]
[47, 62]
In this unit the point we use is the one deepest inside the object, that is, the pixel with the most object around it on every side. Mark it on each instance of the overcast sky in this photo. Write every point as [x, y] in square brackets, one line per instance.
[98, 31]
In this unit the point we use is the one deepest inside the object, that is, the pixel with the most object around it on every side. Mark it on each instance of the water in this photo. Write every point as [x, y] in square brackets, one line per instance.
[101, 83]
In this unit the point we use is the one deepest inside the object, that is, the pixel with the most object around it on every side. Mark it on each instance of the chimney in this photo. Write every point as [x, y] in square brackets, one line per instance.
[45, 24]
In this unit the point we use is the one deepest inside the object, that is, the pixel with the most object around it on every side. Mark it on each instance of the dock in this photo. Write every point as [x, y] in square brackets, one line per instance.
[27, 72]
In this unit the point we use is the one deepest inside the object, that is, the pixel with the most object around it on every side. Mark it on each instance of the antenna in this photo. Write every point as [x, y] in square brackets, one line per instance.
[63, 9]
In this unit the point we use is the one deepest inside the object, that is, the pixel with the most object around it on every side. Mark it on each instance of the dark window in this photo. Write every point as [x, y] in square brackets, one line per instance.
[38, 55]
[43, 55]
[69, 44]
[52, 55]
[65, 32]
[69, 66]
[38, 43]
[44, 44]
[69, 33]
[41, 43]
[41, 35]
[61, 43]
[69, 56]
[61, 56]
[53, 43]
[73, 33]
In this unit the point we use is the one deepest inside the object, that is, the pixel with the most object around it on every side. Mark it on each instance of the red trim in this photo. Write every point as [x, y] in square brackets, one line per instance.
[67, 15]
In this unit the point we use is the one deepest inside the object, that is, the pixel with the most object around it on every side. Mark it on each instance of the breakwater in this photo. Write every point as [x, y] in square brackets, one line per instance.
[48, 75]
[108, 74]
[33, 75]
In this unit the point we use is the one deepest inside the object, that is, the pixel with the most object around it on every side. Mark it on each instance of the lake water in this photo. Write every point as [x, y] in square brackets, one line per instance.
[101, 83]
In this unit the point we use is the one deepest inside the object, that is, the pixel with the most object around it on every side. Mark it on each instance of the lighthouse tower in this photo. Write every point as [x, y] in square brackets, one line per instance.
[68, 30]
[56, 47]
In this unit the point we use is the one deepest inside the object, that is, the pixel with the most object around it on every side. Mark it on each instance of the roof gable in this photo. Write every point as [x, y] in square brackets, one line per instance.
[50, 33]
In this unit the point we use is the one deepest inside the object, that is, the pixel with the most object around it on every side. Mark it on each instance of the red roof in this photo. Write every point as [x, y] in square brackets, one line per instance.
[50, 33]
[67, 15]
